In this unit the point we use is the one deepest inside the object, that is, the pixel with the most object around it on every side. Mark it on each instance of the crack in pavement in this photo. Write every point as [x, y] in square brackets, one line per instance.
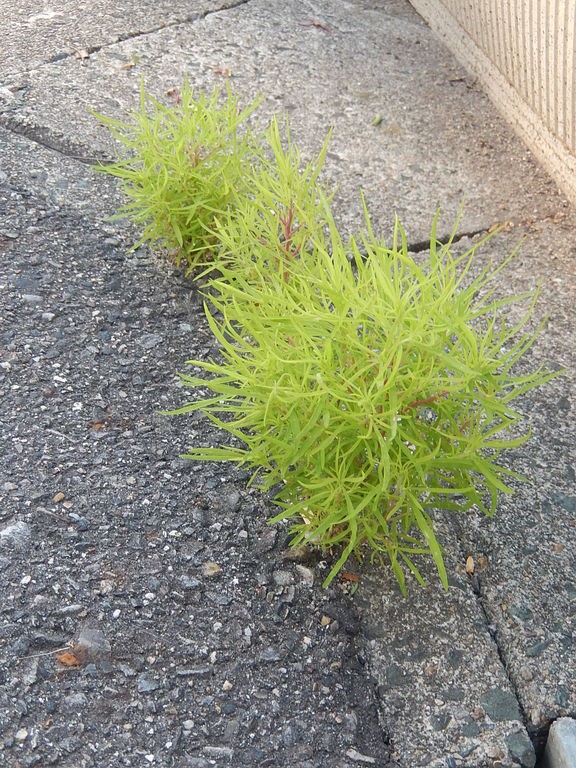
[90, 49]
[46, 138]
[537, 737]
[424, 245]
[76, 151]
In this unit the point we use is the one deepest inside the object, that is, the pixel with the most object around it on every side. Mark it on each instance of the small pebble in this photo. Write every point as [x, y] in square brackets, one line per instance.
[147, 684]
[282, 578]
[15, 536]
[189, 582]
[210, 569]
[92, 642]
[306, 574]
[218, 753]
[150, 340]
[75, 701]
[70, 610]
[358, 757]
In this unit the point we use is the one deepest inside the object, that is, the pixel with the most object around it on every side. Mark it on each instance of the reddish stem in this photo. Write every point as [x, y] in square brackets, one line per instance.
[425, 401]
[289, 229]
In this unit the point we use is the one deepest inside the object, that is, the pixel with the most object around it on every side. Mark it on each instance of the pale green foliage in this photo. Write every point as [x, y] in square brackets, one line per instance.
[366, 388]
[281, 216]
[373, 388]
[182, 165]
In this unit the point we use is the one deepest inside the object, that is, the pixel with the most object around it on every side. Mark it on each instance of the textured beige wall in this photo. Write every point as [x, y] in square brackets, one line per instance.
[524, 55]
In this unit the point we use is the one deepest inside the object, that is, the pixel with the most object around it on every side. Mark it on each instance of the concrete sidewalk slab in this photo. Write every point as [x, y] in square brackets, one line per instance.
[528, 588]
[444, 694]
[38, 35]
[410, 128]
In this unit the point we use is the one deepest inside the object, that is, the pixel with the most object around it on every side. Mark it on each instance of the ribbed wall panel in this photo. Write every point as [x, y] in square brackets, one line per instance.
[524, 54]
[532, 43]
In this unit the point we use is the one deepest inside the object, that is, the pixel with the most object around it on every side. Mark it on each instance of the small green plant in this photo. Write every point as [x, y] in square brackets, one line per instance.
[182, 166]
[372, 388]
[280, 219]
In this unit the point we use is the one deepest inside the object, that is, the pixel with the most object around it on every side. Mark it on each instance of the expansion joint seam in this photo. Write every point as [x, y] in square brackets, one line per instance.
[50, 142]
[192, 18]
[503, 661]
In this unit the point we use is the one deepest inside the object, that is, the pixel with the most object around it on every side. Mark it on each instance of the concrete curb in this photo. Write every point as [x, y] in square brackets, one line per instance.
[561, 746]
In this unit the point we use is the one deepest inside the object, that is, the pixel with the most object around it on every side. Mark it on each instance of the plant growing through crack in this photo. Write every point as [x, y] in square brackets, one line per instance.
[372, 388]
[366, 389]
[182, 166]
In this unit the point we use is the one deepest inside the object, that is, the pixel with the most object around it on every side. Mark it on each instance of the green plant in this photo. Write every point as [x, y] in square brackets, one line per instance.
[280, 219]
[368, 389]
[181, 166]
[372, 388]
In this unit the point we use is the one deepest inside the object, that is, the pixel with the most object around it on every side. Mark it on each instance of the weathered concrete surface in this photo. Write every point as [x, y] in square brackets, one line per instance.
[528, 588]
[35, 34]
[59, 181]
[437, 141]
[443, 690]
[463, 677]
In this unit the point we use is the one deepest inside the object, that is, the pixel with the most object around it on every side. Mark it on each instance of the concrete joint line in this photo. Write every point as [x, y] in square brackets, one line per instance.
[193, 17]
[503, 660]
[45, 138]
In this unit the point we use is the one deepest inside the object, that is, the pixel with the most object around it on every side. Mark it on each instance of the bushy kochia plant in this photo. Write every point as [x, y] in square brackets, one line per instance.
[182, 165]
[366, 388]
[373, 388]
